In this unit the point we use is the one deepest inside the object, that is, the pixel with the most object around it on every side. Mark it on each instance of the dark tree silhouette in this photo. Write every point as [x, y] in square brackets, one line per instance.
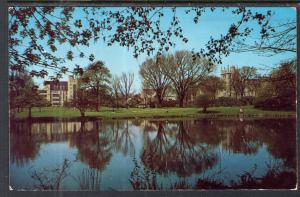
[96, 78]
[36, 34]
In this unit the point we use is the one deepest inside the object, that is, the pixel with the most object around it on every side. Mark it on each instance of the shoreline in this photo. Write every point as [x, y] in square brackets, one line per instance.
[160, 117]
[61, 113]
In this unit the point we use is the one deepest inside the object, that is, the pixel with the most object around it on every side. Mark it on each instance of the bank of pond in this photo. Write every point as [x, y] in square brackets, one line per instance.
[110, 113]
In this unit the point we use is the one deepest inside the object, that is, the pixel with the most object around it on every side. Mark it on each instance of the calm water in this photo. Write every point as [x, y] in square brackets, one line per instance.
[153, 154]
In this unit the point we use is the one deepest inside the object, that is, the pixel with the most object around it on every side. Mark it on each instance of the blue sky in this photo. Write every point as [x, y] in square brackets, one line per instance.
[120, 59]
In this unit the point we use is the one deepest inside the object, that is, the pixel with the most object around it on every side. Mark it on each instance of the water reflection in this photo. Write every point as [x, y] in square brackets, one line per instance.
[183, 156]
[24, 146]
[183, 150]
[94, 147]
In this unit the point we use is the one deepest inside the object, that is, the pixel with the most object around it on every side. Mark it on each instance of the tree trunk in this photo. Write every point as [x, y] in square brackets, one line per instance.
[82, 113]
[181, 98]
[126, 98]
[29, 112]
[181, 101]
[97, 103]
[117, 104]
[159, 99]
[204, 109]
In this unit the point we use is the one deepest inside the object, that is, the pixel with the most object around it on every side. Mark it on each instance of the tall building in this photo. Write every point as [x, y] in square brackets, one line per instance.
[226, 74]
[58, 93]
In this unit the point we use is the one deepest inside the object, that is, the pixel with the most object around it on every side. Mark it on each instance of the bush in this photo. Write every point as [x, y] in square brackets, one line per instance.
[203, 101]
[275, 103]
[68, 104]
[171, 103]
[230, 101]
[226, 101]
[248, 100]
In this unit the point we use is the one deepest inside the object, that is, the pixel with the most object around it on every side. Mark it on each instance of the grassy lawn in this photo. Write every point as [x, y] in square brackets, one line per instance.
[60, 112]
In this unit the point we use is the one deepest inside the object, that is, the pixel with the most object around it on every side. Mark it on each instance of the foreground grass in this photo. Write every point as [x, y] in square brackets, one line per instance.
[61, 112]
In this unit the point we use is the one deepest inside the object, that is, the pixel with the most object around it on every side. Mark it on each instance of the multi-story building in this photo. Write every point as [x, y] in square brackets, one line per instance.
[59, 92]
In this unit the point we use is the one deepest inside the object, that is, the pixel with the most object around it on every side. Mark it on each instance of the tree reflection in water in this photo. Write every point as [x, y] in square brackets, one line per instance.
[187, 156]
[184, 157]
[121, 136]
[125, 140]
[155, 152]
[23, 145]
[94, 147]
[181, 149]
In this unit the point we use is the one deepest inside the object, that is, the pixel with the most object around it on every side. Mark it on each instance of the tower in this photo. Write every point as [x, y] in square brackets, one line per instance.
[72, 86]
[226, 74]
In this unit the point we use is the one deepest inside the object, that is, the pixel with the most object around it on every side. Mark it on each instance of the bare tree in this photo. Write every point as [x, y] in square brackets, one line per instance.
[241, 78]
[186, 70]
[115, 86]
[211, 85]
[235, 82]
[126, 81]
[153, 76]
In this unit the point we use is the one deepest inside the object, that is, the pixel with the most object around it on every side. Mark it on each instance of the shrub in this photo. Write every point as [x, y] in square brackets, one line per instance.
[247, 100]
[275, 103]
[203, 101]
[170, 103]
[230, 101]
[68, 104]
[226, 101]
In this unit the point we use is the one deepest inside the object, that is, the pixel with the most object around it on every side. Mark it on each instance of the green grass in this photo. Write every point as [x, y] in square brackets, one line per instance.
[60, 112]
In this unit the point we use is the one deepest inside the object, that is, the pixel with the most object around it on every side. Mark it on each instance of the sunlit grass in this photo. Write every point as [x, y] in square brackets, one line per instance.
[61, 112]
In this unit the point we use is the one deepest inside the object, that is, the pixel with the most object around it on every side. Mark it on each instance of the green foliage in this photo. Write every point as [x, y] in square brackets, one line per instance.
[24, 93]
[82, 101]
[96, 78]
[279, 90]
[60, 112]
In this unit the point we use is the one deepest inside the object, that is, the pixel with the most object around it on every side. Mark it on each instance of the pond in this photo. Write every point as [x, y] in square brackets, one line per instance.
[138, 154]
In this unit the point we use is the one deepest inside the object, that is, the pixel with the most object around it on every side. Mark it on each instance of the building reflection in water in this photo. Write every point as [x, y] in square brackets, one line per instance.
[183, 148]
